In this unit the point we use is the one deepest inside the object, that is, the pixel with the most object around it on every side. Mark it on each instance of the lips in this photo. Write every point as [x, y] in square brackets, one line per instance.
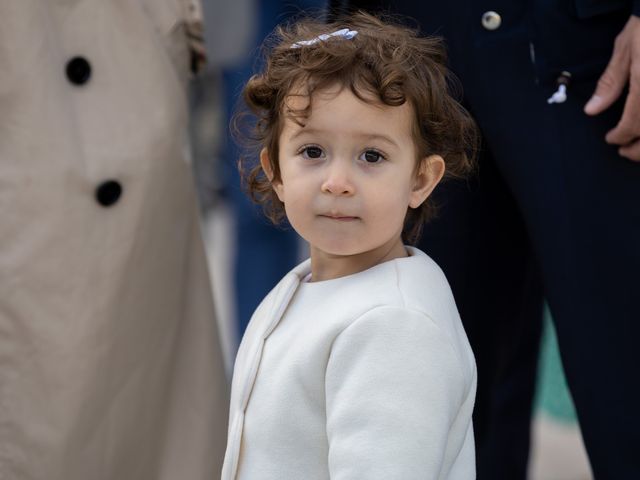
[341, 217]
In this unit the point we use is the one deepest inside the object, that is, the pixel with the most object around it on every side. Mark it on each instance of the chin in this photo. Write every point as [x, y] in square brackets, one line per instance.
[341, 249]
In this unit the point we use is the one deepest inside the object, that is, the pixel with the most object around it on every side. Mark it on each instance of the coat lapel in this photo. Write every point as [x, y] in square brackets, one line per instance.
[263, 323]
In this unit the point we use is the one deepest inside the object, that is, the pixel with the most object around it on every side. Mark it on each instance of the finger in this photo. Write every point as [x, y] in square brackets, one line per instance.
[631, 151]
[613, 80]
[628, 128]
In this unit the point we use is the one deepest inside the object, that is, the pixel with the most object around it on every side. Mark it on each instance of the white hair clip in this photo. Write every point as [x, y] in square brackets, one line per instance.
[344, 33]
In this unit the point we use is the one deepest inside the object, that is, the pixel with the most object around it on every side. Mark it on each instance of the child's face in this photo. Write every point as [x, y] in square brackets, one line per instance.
[348, 176]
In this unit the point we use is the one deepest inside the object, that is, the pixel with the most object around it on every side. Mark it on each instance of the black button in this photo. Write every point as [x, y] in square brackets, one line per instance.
[108, 193]
[78, 71]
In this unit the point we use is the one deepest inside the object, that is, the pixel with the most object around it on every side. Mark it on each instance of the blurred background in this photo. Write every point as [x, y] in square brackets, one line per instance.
[234, 31]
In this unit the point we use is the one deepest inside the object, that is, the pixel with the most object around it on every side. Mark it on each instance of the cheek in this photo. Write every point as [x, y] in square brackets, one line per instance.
[389, 210]
[297, 200]
[292, 180]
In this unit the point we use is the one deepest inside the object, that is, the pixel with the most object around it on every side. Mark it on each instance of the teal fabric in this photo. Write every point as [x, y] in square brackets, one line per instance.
[552, 393]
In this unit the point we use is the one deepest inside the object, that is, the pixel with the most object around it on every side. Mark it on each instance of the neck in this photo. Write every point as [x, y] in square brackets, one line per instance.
[326, 266]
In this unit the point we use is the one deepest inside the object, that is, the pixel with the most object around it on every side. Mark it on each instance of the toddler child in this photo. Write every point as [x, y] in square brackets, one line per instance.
[356, 365]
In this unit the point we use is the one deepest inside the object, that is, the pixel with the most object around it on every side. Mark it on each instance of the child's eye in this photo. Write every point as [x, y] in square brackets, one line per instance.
[372, 156]
[312, 152]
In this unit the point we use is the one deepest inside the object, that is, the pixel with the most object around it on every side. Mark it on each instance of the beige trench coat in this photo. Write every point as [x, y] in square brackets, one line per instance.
[110, 367]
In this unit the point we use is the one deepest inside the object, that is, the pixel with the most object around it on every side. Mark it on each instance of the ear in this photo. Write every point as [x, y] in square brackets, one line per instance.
[428, 176]
[265, 163]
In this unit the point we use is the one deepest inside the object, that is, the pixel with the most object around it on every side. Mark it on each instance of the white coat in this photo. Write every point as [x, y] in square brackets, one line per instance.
[368, 376]
[110, 366]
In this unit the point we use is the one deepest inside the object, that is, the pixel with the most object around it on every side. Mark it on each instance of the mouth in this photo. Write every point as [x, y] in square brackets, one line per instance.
[339, 217]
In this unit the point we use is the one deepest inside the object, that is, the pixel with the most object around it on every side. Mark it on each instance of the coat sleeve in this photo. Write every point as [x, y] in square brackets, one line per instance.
[394, 384]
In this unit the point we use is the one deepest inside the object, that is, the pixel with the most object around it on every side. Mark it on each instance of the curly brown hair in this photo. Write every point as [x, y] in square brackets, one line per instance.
[386, 61]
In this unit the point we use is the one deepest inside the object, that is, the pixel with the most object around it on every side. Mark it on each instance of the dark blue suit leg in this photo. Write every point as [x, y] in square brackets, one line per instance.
[480, 241]
[579, 201]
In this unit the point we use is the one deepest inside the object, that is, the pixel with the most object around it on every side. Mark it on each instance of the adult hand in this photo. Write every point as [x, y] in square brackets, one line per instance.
[623, 67]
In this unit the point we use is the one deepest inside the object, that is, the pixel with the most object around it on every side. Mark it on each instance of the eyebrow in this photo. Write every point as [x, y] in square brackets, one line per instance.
[367, 136]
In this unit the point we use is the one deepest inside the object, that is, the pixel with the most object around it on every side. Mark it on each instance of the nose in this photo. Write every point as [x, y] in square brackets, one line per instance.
[338, 180]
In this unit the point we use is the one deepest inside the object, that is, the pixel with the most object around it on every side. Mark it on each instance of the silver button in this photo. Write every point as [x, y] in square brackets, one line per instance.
[491, 20]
